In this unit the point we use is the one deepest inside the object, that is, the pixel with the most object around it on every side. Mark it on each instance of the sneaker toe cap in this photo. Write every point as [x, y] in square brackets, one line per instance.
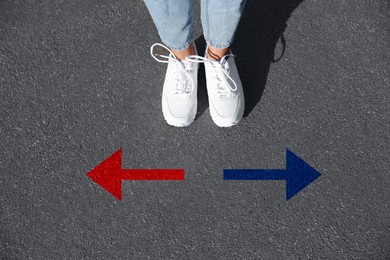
[228, 108]
[179, 113]
[228, 114]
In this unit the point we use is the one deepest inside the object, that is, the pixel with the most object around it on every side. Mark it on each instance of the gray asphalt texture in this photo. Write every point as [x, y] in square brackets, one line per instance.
[77, 83]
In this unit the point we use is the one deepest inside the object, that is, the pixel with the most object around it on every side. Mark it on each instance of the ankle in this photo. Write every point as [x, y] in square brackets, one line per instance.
[182, 54]
[216, 53]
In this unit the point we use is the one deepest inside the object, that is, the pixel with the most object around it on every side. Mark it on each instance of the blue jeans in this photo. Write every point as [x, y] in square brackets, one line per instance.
[174, 22]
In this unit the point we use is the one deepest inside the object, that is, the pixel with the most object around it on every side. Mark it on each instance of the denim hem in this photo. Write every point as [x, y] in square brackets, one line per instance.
[180, 48]
[218, 45]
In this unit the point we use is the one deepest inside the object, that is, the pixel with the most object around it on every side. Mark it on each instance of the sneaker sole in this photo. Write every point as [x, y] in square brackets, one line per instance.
[225, 122]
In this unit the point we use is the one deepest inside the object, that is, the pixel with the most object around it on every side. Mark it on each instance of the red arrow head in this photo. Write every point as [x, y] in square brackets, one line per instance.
[108, 174]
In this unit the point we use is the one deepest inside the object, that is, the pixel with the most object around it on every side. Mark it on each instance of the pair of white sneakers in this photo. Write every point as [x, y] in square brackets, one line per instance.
[179, 97]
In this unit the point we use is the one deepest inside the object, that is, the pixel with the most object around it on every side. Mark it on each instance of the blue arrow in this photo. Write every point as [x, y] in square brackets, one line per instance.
[297, 174]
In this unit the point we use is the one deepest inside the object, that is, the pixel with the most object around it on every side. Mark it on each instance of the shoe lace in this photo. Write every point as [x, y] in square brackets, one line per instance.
[220, 73]
[181, 74]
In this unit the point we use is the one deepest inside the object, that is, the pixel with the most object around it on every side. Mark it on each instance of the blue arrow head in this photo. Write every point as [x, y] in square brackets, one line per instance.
[298, 174]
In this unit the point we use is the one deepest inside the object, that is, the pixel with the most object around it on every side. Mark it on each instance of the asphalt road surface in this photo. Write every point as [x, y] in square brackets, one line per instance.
[77, 83]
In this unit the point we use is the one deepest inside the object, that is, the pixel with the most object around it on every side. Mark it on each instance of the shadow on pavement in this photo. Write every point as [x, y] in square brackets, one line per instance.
[261, 28]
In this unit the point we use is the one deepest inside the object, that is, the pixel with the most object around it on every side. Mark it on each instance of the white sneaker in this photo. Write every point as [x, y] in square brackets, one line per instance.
[179, 96]
[224, 88]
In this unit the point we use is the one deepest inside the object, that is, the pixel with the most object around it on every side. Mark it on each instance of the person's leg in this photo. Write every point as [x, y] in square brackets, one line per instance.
[174, 23]
[173, 19]
[220, 19]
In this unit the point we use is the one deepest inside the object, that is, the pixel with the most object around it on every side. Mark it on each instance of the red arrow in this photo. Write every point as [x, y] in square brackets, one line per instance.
[109, 174]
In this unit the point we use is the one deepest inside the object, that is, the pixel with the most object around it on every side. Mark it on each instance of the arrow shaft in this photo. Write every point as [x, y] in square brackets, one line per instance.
[153, 174]
[252, 174]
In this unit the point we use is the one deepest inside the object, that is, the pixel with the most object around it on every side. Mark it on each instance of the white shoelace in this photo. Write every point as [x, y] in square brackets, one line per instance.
[181, 73]
[220, 73]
